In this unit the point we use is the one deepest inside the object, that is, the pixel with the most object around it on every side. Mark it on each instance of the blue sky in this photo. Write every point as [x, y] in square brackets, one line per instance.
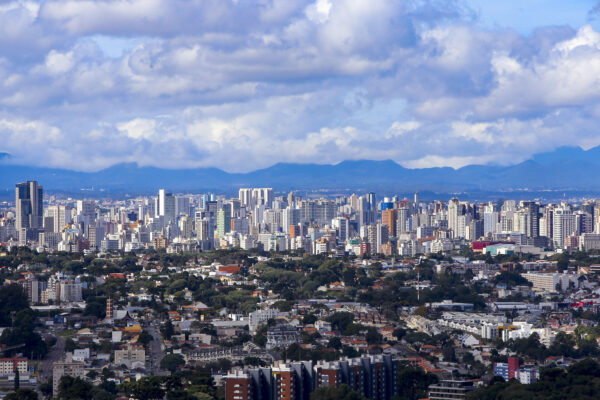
[527, 15]
[244, 84]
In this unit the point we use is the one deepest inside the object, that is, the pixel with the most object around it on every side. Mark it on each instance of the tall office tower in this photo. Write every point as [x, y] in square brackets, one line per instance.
[563, 226]
[416, 200]
[353, 200]
[166, 206]
[454, 210]
[203, 231]
[584, 222]
[369, 235]
[29, 201]
[186, 226]
[532, 214]
[490, 222]
[548, 215]
[506, 220]
[389, 218]
[273, 218]
[245, 197]
[56, 218]
[262, 196]
[403, 215]
[342, 226]
[383, 236]
[544, 227]
[371, 201]
[87, 208]
[474, 230]
[462, 226]
[223, 221]
[205, 198]
[236, 207]
[291, 199]
[508, 205]
[182, 205]
[596, 216]
[94, 235]
[290, 217]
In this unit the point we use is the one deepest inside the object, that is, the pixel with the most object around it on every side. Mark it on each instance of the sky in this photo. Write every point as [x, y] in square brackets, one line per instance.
[244, 84]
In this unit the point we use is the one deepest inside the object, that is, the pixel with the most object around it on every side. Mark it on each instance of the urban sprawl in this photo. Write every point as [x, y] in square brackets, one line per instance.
[277, 296]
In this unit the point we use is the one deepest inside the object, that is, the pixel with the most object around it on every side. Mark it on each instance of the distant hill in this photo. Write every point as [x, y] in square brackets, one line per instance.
[566, 168]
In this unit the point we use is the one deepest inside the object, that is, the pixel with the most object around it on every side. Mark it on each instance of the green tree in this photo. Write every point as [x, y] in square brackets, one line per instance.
[372, 336]
[70, 388]
[168, 331]
[341, 320]
[22, 333]
[17, 380]
[580, 381]
[335, 393]
[448, 353]
[96, 308]
[146, 388]
[12, 300]
[335, 343]
[414, 382]
[22, 394]
[171, 362]
[46, 387]
[145, 338]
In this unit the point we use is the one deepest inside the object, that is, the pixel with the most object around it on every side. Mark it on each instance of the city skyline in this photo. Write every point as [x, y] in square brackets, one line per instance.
[244, 85]
[264, 295]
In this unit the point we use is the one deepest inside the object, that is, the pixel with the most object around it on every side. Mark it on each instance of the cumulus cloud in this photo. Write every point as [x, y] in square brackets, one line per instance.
[242, 85]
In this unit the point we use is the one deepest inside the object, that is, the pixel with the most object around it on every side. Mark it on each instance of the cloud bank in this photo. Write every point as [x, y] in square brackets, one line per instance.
[241, 84]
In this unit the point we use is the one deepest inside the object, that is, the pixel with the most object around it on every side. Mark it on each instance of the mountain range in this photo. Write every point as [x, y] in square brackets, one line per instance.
[566, 168]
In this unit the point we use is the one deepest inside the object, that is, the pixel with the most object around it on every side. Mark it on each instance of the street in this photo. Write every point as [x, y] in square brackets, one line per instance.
[156, 352]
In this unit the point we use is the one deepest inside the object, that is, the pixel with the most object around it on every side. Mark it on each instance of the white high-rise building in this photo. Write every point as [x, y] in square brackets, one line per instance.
[342, 226]
[56, 218]
[462, 224]
[86, 208]
[563, 225]
[186, 227]
[245, 196]
[203, 229]
[454, 210]
[490, 222]
[166, 206]
[253, 197]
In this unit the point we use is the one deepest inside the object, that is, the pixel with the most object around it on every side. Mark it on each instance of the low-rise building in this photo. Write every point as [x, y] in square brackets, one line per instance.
[131, 356]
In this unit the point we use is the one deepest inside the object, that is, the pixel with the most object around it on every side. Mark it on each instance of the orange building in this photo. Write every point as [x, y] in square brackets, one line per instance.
[388, 218]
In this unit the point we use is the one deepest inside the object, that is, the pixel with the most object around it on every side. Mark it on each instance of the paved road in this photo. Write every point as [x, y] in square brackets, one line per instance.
[56, 353]
[156, 352]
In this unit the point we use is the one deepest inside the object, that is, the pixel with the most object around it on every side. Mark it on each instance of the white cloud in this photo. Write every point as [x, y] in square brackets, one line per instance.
[59, 63]
[242, 85]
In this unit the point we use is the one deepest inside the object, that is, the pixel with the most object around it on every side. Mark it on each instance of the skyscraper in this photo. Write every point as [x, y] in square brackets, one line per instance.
[223, 221]
[454, 210]
[532, 214]
[166, 206]
[29, 197]
[563, 225]
[371, 201]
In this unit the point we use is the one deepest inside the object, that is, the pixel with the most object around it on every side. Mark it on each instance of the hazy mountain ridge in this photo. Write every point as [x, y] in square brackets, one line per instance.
[565, 168]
